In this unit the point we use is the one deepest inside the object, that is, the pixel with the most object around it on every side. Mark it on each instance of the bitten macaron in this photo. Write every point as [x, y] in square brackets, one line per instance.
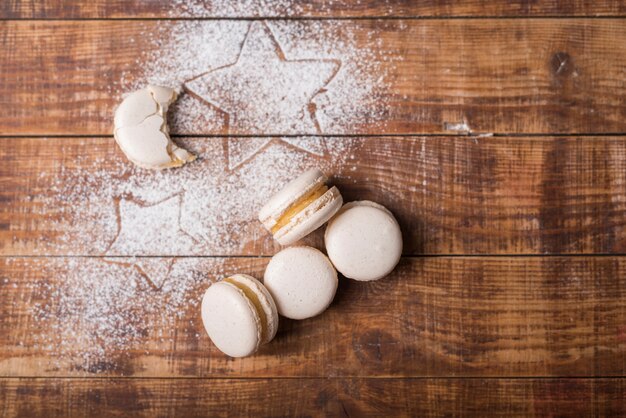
[364, 241]
[239, 315]
[302, 281]
[301, 207]
[141, 129]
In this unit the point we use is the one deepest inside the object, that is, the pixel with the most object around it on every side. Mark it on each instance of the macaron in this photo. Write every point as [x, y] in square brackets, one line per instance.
[301, 207]
[239, 315]
[364, 241]
[302, 281]
[141, 129]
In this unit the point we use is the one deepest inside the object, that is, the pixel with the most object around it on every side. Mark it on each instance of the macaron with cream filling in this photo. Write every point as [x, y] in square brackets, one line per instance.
[239, 314]
[301, 207]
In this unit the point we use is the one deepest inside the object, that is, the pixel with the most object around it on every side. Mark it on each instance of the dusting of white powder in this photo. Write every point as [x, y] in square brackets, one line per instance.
[244, 79]
[102, 308]
[108, 306]
[240, 8]
[106, 206]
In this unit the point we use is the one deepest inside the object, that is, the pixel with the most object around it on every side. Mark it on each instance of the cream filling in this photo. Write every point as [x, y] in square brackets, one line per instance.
[252, 297]
[178, 156]
[298, 206]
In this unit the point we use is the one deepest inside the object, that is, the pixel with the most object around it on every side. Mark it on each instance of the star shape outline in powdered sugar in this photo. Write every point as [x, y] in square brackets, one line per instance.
[260, 32]
[256, 145]
[141, 264]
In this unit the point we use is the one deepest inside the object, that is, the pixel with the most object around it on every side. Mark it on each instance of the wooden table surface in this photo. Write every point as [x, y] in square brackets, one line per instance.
[494, 130]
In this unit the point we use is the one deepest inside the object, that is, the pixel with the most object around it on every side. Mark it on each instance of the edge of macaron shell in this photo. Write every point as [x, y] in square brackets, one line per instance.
[368, 203]
[355, 203]
[246, 301]
[280, 202]
[266, 300]
[328, 268]
[311, 218]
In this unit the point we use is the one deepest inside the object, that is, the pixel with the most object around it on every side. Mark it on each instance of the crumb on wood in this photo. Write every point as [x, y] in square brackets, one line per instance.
[457, 127]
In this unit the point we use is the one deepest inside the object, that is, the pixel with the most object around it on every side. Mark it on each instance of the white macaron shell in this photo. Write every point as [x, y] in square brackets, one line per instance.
[311, 218]
[266, 300]
[145, 144]
[364, 241]
[294, 190]
[231, 320]
[163, 95]
[302, 281]
[141, 129]
[134, 109]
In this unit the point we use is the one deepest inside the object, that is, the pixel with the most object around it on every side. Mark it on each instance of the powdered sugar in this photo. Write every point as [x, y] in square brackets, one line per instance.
[241, 151]
[240, 8]
[207, 208]
[278, 77]
[104, 308]
[294, 77]
[151, 228]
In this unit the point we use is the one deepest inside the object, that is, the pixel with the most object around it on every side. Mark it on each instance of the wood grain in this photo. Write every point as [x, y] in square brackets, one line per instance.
[60, 9]
[433, 317]
[313, 397]
[503, 75]
[451, 195]
[91, 327]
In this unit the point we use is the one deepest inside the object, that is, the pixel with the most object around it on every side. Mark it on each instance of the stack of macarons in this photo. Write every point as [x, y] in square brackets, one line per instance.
[363, 242]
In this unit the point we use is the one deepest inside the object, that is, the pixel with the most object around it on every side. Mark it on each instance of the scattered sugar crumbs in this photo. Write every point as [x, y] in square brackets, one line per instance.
[97, 310]
[105, 308]
[184, 50]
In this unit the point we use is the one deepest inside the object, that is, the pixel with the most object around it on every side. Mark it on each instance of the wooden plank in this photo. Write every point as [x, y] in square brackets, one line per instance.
[313, 397]
[433, 317]
[373, 76]
[451, 195]
[50, 9]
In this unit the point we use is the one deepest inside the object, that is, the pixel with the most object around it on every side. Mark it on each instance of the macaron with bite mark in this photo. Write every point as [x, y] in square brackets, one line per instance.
[239, 315]
[301, 207]
[141, 129]
[364, 241]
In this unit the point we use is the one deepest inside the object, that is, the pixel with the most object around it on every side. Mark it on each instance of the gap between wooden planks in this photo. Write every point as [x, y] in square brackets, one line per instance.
[484, 76]
[451, 195]
[422, 397]
[432, 317]
[51, 9]
[313, 397]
